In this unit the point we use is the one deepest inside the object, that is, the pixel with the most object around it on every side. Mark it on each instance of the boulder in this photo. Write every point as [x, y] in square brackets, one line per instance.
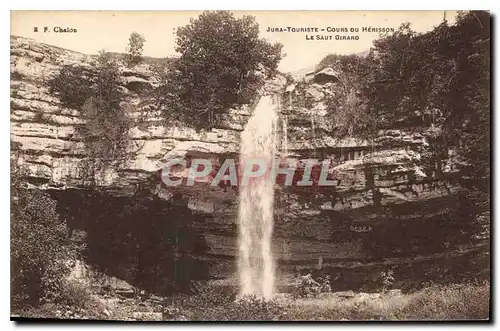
[345, 294]
[315, 93]
[137, 84]
[326, 75]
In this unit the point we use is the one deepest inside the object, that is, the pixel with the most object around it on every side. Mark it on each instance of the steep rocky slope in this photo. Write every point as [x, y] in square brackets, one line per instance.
[381, 186]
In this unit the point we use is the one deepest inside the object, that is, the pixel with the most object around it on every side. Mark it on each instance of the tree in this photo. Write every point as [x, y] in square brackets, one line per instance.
[468, 118]
[106, 123]
[97, 93]
[222, 62]
[347, 106]
[73, 85]
[440, 79]
[135, 47]
[38, 249]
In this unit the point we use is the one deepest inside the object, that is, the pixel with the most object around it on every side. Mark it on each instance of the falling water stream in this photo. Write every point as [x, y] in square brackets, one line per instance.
[313, 129]
[255, 219]
[285, 135]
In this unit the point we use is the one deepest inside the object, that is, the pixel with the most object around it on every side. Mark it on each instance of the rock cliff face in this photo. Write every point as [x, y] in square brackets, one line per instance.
[379, 183]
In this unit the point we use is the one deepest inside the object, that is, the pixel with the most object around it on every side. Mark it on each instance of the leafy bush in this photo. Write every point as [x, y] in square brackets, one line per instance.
[97, 93]
[346, 103]
[209, 296]
[38, 250]
[349, 115]
[386, 279]
[308, 287]
[73, 295]
[222, 62]
[247, 308]
[74, 301]
[203, 295]
[73, 85]
[106, 123]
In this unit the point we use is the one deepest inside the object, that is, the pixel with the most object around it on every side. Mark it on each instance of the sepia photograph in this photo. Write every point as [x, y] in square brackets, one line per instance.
[273, 166]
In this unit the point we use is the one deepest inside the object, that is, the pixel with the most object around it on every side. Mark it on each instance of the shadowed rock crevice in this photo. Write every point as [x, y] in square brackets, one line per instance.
[148, 242]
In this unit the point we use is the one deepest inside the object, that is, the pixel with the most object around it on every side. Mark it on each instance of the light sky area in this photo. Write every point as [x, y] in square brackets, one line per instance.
[109, 30]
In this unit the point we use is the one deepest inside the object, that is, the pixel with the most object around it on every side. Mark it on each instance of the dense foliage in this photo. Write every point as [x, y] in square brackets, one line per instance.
[73, 85]
[443, 77]
[347, 105]
[207, 302]
[38, 250]
[440, 81]
[96, 91]
[106, 123]
[308, 287]
[222, 62]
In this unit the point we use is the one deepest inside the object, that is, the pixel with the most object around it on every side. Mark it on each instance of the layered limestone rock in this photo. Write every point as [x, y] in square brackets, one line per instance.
[52, 151]
[375, 180]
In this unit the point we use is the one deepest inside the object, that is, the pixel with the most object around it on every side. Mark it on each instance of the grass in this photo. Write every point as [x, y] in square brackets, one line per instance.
[437, 302]
[452, 302]
[209, 303]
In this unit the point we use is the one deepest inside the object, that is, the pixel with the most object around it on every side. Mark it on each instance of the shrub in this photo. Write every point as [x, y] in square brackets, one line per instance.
[38, 248]
[73, 85]
[347, 102]
[308, 287]
[222, 62]
[386, 279]
[97, 93]
[217, 303]
[73, 302]
[247, 308]
[349, 115]
[106, 126]
[203, 295]
[73, 294]
[209, 296]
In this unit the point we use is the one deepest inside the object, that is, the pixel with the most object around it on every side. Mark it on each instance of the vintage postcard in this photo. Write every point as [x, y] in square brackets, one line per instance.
[250, 166]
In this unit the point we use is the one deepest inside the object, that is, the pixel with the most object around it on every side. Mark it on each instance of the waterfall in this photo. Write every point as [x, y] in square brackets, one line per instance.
[313, 129]
[285, 135]
[256, 200]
